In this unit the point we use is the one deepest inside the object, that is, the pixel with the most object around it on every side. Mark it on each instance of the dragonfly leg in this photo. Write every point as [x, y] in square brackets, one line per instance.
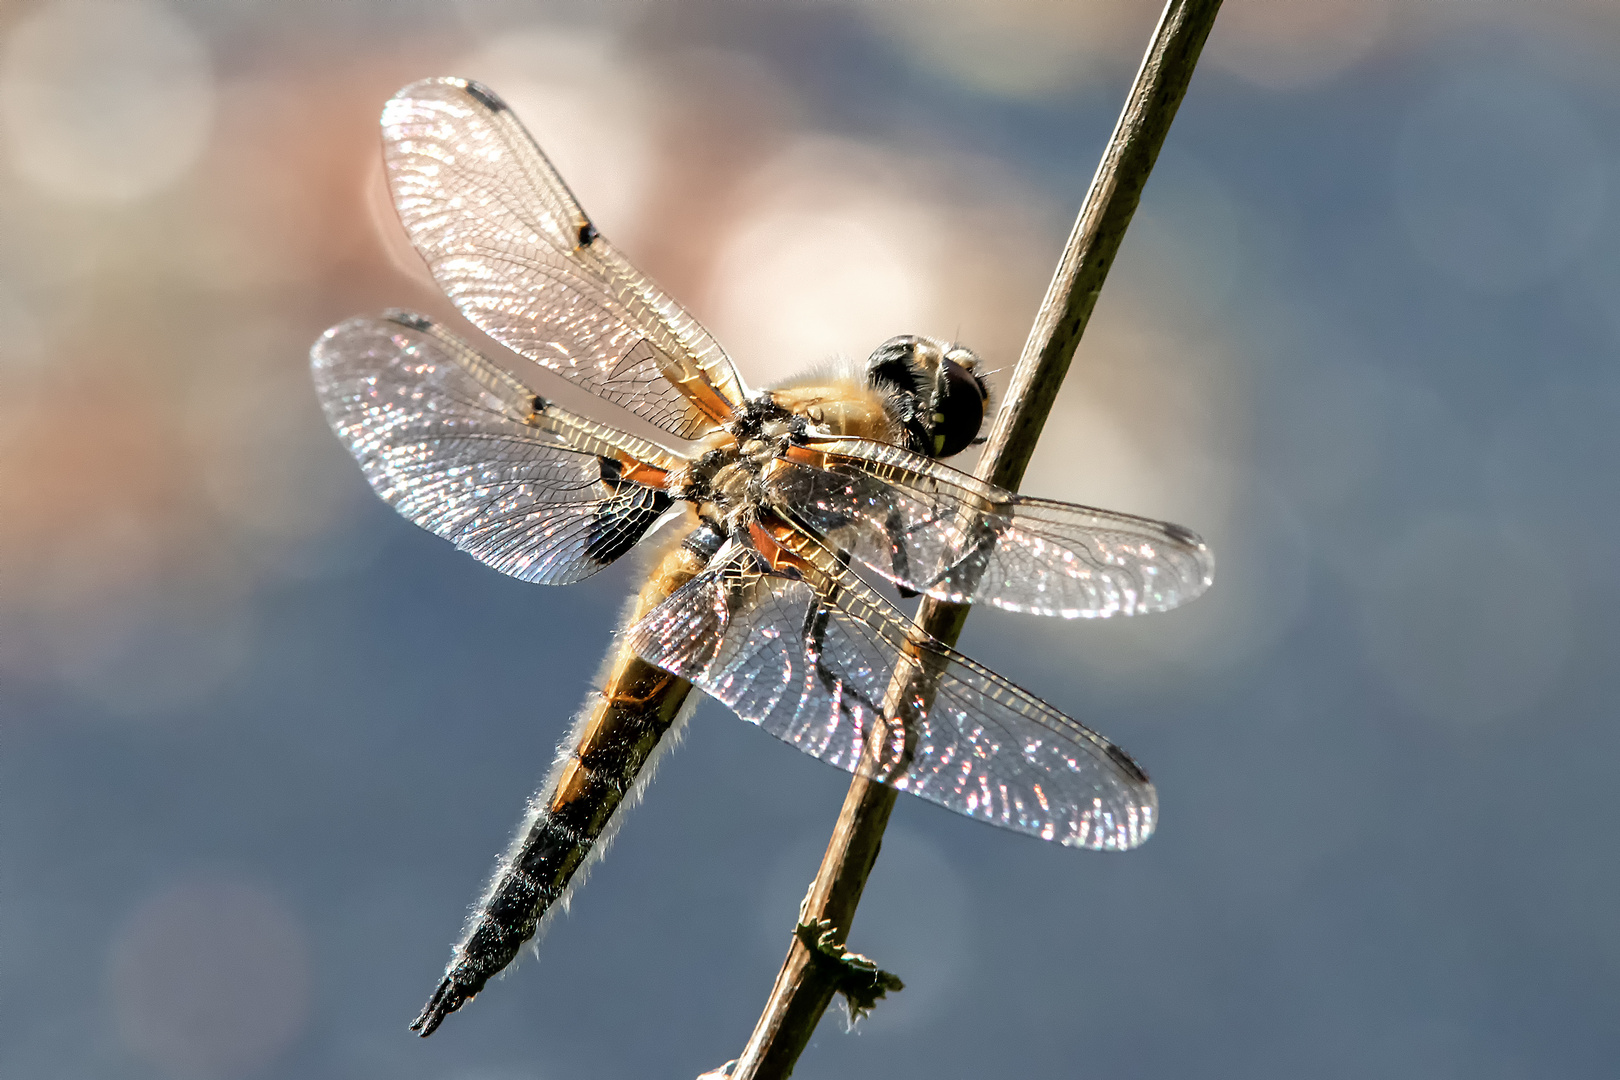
[881, 726]
[895, 526]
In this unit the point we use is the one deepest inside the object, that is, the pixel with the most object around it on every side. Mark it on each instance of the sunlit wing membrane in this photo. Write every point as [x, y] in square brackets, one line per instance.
[809, 658]
[457, 445]
[507, 241]
[935, 530]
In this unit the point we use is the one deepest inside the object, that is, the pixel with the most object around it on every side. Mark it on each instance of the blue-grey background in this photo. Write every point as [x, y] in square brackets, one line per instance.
[261, 739]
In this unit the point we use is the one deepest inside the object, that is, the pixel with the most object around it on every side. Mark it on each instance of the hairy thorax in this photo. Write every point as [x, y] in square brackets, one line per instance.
[724, 480]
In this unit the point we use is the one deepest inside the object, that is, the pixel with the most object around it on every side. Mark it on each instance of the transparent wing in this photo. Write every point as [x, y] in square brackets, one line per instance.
[810, 658]
[932, 529]
[506, 240]
[450, 441]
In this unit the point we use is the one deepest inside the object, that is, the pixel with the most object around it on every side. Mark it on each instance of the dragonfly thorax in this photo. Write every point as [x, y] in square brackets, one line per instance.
[724, 481]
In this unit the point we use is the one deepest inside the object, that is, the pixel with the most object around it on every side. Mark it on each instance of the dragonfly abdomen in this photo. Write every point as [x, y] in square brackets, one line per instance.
[572, 817]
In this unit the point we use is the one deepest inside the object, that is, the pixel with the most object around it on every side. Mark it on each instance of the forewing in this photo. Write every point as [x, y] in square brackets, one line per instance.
[935, 530]
[444, 437]
[811, 662]
[507, 241]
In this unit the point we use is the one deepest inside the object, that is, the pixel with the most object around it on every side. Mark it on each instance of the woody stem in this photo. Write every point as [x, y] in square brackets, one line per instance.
[803, 989]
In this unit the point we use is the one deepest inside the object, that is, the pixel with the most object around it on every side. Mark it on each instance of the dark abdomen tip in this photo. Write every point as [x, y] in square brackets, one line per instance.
[445, 1000]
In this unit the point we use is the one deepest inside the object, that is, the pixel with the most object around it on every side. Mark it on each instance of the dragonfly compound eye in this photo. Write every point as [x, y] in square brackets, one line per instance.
[934, 393]
[957, 411]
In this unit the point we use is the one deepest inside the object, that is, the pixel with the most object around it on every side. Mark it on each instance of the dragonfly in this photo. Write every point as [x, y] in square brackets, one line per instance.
[769, 507]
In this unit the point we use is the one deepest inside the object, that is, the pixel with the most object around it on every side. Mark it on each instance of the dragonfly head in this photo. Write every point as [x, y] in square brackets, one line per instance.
[934, 391]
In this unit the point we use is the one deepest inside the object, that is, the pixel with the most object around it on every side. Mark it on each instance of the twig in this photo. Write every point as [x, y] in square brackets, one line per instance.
[804, 988]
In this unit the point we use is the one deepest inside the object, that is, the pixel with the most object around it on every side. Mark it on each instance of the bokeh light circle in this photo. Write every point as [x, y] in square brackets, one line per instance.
[1283, 46]
[1013, 48]
[801, 288]
[829, 260]
[210, 978]
[588, 108]
[104, 102]
[1499, 182]
[22, 359]
[1554, 462]
[1465, 623]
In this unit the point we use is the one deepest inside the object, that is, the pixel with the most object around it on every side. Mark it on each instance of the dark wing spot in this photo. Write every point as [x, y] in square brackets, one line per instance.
[408, 319]
[621, 521]
[587, 233]
[1124, 761]
[484, 96]
[1181, 534]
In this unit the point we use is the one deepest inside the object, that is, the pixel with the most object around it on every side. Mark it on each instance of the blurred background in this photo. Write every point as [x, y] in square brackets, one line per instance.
[261, 738]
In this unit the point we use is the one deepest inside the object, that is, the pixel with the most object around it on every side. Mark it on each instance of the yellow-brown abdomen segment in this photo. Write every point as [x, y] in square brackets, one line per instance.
[612, 741]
